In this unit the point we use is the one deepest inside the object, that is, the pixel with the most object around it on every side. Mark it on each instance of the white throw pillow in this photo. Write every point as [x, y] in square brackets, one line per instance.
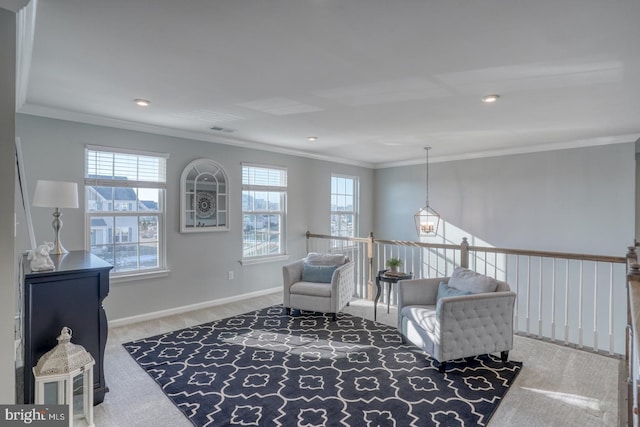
[315, 258]
[468, 280]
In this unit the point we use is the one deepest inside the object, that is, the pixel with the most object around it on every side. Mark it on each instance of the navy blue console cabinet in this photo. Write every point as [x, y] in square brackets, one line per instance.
[71, 295]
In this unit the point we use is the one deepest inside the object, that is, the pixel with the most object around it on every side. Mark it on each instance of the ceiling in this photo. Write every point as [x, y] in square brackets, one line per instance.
[374, 80]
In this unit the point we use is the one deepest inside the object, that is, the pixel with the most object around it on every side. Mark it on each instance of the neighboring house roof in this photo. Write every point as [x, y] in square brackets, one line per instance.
[121, 193]
[98, 222]
[124, 195]
[149, 204]
[102, 177]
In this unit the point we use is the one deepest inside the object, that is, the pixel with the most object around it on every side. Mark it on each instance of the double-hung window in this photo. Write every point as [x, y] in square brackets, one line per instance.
[344, 206]
[125, 208]
[264, 202]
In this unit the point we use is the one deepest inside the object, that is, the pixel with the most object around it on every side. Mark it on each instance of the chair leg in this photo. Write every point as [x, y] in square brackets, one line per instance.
[504, 356]
[442, 366]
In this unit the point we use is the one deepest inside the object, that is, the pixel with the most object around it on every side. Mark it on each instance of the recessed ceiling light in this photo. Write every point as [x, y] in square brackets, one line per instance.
[312, 138]
[142, 102]
[490, 98]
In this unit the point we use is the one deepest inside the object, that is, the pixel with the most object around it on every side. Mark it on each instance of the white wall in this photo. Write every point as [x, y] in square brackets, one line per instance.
[7, 171]
[199, 262]
[577, 200]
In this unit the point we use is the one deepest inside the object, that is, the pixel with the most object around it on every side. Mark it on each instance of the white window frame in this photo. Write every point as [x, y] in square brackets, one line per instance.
[248, 186]
[354, 212]
[156, 183]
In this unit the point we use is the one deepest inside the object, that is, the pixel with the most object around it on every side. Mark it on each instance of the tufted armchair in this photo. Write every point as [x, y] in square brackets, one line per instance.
[464, 315]
[319, 282]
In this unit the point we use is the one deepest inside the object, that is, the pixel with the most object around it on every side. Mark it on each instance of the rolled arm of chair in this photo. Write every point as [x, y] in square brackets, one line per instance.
[291, 273]
[418, 291]
[476, 324]
[342, 284]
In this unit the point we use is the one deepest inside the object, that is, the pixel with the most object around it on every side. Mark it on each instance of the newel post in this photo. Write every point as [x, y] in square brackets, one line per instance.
[464, 253]
[633, 275]
[370, 243]
[632, 256]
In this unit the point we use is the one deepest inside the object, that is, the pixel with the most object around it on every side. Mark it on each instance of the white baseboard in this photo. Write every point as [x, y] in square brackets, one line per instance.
[187, 308]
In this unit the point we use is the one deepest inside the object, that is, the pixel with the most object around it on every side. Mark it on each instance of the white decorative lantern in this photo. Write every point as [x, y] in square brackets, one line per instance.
[61, 366]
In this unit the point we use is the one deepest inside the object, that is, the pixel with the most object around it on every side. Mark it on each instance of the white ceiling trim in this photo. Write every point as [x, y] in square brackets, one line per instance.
[73, 116]
[13, 5]
[592, 142]
[25, 30]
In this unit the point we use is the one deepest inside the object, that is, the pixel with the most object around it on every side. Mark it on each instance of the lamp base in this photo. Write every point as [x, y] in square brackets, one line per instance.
[58, 249]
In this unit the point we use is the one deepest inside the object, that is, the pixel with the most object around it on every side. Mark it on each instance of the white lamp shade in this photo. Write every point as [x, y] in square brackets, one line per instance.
[56, 194]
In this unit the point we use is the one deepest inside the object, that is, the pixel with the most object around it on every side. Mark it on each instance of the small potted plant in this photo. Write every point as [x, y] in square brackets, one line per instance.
[393, 264]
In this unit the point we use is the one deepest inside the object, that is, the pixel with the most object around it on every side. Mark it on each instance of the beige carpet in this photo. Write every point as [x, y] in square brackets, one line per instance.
[558, 386]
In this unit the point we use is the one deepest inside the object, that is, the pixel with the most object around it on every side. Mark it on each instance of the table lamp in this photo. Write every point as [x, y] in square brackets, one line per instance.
[56, 194]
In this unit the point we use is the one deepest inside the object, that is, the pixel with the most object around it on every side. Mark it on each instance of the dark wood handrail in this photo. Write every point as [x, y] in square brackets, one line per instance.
[548, 254]
[507, 251]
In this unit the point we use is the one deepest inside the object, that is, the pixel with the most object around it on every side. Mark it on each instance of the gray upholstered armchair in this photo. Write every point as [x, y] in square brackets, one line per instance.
[464, 315]
[319, 282]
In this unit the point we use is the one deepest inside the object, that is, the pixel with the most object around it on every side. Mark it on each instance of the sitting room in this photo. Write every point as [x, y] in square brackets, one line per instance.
[191, 169]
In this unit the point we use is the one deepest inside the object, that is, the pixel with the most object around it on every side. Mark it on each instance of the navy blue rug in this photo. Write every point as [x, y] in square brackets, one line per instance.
[265, 368]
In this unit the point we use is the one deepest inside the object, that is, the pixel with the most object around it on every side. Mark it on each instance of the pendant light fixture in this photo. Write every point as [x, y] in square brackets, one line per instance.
[427, 219]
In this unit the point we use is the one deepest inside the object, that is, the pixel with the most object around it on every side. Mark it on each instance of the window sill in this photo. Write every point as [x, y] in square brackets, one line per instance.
[116, 278]
[262, 260]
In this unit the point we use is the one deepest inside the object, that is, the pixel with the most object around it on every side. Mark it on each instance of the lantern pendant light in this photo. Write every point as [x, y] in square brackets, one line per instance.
[427, 219]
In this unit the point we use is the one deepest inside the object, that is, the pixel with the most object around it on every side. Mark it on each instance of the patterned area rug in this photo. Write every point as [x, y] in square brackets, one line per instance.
[265, 368]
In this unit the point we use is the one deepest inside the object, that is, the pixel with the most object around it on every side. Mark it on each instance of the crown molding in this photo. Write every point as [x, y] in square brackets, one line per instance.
[25, 30]
[73, 116]
[564, 145]
[13, 5]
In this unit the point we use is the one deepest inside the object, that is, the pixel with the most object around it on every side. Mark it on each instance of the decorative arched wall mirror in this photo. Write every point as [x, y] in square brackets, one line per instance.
[204, 200]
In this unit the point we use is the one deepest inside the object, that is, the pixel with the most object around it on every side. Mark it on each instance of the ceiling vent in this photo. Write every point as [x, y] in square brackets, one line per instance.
[221, 129]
